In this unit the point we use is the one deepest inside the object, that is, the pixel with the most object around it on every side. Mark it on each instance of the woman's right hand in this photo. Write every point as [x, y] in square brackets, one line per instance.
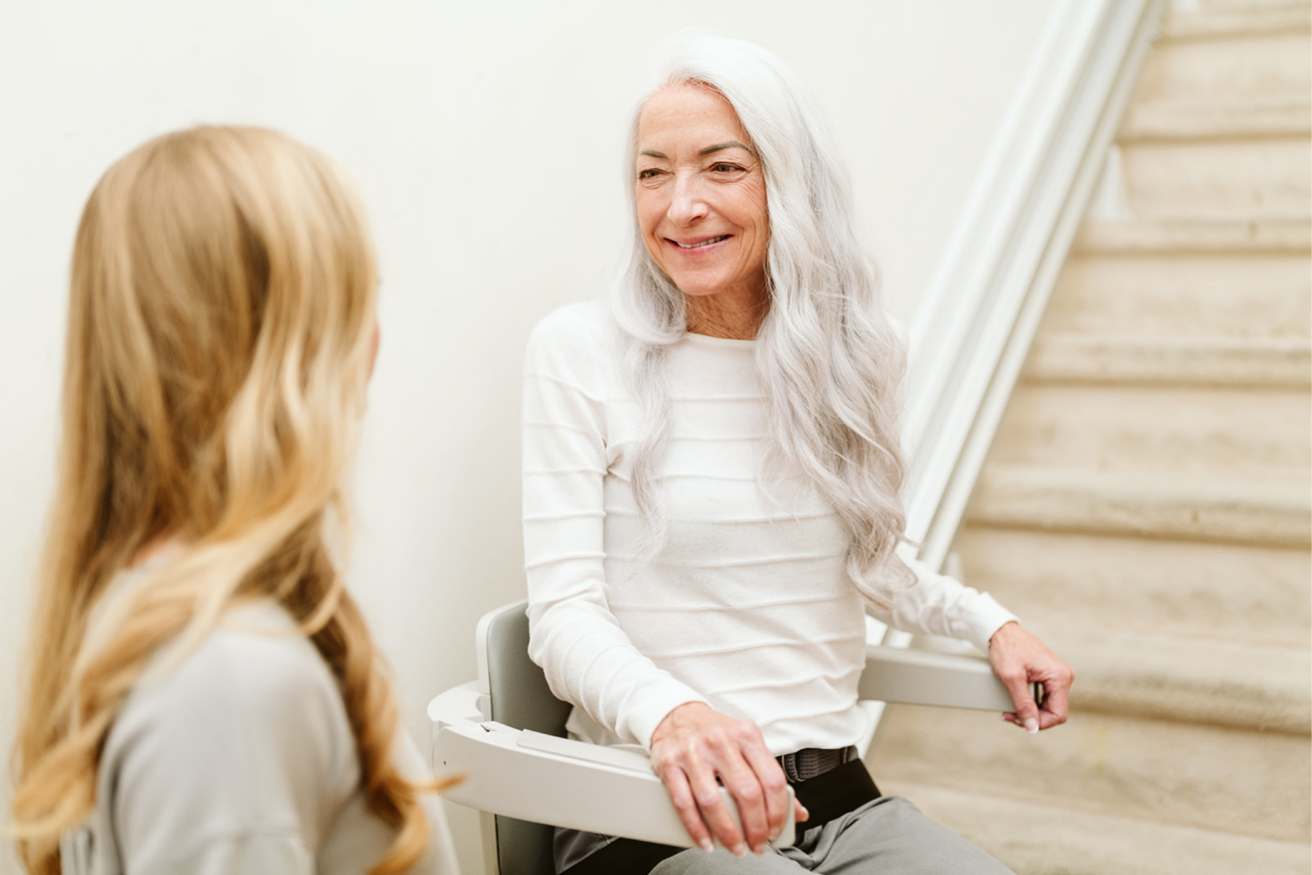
[693, 747]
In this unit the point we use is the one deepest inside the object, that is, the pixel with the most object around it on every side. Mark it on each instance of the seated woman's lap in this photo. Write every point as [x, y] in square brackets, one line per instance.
[889, 835]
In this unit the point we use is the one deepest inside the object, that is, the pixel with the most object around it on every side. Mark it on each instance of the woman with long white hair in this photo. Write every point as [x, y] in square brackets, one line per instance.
[711, 494]
[204, 695]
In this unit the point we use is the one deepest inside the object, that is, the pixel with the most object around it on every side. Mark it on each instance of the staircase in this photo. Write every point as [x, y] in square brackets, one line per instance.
[1147, 505]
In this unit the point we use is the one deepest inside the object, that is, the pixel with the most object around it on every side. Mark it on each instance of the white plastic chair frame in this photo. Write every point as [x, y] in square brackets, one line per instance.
[503, 733]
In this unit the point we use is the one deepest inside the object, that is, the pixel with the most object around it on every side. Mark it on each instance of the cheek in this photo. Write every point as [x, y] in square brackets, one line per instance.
[650, 213]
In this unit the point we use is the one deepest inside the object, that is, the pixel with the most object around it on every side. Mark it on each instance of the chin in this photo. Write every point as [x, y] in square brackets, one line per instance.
[697, 287]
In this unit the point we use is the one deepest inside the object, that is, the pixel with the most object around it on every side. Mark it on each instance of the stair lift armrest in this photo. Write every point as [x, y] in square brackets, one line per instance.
[922, 677]
[545, 779]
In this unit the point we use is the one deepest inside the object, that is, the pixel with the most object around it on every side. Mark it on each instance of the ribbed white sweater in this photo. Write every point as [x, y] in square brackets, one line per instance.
[748, 606]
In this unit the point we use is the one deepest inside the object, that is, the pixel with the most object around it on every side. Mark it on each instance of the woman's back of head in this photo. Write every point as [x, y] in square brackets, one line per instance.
[221, 334]
[221, 310]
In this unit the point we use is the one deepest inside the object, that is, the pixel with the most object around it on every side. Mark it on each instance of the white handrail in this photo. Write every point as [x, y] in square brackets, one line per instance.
[982, 307]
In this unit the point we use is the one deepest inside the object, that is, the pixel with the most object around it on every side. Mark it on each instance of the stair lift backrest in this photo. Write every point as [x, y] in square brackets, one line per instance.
[520, 698]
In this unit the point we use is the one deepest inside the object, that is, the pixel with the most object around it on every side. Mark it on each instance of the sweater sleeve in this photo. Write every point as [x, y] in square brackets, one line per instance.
[937, 604]
[588, 659]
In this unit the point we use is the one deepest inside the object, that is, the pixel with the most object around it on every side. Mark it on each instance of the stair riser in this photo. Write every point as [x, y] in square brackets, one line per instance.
[1153, 587]
[1199, 776]
[1258, 67]
[1201, 432]
[1184, 296]
[1220, 179]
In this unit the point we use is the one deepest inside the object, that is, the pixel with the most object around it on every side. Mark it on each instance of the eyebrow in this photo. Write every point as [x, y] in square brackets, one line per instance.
[718, 147]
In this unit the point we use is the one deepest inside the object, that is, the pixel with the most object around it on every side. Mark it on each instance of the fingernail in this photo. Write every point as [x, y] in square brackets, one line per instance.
[740, 850]
[1031, 725]
[758, 850]
[707, 846]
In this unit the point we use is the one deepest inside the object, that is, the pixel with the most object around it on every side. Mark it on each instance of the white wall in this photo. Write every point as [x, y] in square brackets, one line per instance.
[486, 137]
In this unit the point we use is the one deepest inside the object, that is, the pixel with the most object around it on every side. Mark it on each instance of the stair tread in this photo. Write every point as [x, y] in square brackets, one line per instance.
[1195, 294]
[1218, 178]
[1247, 686]
[1224, 592]
[1132, 358]
[1181, 430]
[1187, 774]
[1289, 234]
[1277, 513]
[1205, 119]
[1247, 21]
[1033, 839]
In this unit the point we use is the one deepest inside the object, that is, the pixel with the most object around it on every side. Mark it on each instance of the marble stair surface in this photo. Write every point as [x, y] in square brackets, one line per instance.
[1147, 503]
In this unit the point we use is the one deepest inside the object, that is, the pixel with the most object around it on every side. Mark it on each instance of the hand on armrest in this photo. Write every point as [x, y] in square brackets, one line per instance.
[1018, 659]
[692, 747]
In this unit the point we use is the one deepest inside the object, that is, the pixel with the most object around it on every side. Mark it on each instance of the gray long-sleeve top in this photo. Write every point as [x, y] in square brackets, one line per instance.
[239, 760]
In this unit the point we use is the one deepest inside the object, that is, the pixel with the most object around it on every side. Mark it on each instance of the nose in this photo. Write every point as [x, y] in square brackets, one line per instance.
[688, 203]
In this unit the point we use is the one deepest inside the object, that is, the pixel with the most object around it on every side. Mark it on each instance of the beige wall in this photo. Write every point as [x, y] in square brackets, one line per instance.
[486, 138]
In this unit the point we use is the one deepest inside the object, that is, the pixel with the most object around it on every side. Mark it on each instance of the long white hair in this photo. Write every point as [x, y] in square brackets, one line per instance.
[827, 354]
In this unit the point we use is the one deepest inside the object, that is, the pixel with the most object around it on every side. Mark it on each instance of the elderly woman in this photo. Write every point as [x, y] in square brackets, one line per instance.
[711, 476]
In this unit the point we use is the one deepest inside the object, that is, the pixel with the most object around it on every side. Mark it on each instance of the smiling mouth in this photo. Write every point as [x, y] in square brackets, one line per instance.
[701, 244]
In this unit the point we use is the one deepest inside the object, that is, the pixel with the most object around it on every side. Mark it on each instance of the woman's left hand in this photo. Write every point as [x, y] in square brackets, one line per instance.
[1019, 659]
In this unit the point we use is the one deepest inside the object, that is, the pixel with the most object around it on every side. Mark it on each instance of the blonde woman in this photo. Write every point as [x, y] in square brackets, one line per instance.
[204, 695]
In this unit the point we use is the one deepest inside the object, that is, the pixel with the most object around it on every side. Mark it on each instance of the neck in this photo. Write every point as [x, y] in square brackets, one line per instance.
[737, 317]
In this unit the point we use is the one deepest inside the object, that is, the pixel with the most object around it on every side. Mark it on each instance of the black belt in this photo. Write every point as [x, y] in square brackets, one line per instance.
[828, 795]
[807, 763]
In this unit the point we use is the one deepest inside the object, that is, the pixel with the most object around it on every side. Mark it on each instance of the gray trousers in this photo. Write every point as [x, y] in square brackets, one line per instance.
[888, 836]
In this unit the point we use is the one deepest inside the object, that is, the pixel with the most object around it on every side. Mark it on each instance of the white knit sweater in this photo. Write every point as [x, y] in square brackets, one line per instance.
[748, 606]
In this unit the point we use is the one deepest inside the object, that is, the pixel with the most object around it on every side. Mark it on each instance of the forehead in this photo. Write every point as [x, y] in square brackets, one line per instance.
[688, 112]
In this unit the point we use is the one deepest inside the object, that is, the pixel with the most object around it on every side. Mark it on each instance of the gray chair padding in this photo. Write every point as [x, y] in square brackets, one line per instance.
[521, 699]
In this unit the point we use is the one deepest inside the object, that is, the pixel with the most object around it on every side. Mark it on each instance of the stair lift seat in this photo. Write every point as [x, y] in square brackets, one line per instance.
[505, 734]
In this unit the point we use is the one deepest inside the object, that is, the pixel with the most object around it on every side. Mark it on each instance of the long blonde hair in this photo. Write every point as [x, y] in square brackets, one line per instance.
[220, 335]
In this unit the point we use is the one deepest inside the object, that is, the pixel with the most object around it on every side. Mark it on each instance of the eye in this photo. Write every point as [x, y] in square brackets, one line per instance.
[648, 173]
[724, 167]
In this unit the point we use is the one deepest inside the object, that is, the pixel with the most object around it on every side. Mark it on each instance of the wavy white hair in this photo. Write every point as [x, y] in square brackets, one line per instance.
[827, 354]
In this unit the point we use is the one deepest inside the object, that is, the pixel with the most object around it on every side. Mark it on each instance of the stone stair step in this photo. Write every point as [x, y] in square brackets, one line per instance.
[1244, 686]
[1247, 20]
[1212, 236]
[1191, 295]
[1171, 121]
[1218, 178]
[1191, 775]
[1239, 67]
[1220, 592]
[1228, 433]
[1284, 362]
[1277, 514]
[1039, 839]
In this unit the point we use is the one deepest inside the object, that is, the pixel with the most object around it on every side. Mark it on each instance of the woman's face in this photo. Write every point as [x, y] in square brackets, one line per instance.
[701, 194]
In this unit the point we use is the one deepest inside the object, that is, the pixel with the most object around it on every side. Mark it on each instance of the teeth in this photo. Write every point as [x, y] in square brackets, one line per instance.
[703, 243]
